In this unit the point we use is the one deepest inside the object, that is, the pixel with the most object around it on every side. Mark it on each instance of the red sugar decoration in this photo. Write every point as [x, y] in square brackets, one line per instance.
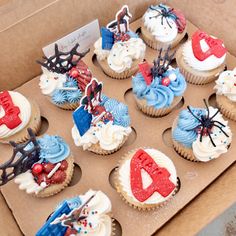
[160, 177]
[216, 47]
[11, 118]
[64, 165]
[58, 177]
[145, 70]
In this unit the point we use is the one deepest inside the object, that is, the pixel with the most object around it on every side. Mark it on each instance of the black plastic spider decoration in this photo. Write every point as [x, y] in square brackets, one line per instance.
[19, 164]
[161, 64]
[207, 123]
[164, 13]
[62, 62]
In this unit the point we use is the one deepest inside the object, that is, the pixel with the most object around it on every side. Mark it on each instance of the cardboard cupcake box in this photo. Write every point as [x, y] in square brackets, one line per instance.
[92, 171]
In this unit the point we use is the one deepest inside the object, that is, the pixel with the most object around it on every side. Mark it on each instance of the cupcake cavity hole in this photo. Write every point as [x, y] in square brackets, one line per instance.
[138, 31]
[94, 60]
[132, 137]
[128, 95]
[212, 100]
[184, 39]
[178, 185]
[117, 227]
[44, 126]
[76, 175]
[166, 137]
[112, 177]
[180, 104]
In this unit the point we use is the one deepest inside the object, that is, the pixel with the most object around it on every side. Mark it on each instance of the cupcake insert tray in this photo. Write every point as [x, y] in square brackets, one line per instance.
[97, 172]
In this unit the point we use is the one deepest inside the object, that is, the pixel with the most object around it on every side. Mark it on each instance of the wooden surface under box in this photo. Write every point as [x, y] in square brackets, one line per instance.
[97, 171]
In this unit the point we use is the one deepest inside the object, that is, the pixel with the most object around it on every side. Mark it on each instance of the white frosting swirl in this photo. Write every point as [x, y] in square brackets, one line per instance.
[122, 54]
[97, 215]
[205, 151]
[101, 54]
[26, 182]
[101, 222]
[226, 84]
[25, 113]
[108, 136]
[163, 161]
[111, 136]
[50, 81]
[159, 27]
[212, 62]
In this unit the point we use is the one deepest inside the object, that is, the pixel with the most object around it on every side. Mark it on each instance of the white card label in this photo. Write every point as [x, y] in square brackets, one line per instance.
[86, 36]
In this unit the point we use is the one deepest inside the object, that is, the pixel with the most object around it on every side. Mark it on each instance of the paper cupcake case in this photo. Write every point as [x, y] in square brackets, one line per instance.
[97, 172]
[193, 77]
[227, 107]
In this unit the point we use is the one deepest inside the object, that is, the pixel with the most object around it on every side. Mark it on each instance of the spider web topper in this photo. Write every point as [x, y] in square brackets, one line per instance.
[62, 62]
[160, 66]
[22, 159]
[122, 18]
[207, 123]
[162, 63]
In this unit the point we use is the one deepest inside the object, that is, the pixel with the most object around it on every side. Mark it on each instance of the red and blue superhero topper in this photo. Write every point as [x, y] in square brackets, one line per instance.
[117, 29]
[122, 18]
[83, 115]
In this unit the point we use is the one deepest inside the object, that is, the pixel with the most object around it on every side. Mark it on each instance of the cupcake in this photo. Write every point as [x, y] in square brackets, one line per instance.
[146, 178]
[163, 26]
[159, 88]
[101, 124]
[201, 134]
[88, 214]
[202, 58]
[17, 113]
[42, 167]
[64, 78]
[226, 93]
[119, 50]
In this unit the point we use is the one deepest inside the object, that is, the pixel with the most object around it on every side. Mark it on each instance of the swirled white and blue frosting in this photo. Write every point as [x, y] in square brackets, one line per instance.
[185, 132]
[156, 94]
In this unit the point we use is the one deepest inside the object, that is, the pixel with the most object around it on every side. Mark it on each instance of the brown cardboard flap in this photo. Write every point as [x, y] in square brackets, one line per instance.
[22, 43]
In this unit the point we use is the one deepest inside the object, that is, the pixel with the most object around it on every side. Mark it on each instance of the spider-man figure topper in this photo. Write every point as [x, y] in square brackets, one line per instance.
[122, 18]
[91, 111]
[92, 95]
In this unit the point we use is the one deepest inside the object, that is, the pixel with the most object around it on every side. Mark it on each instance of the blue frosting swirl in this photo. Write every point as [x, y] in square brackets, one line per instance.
[132, 34]
[119, 112]
[156, 94]
[53, 149]
[177, 86]
[73, 96]
[71, 83]
[184, 132]
[59, 97]
[104, 98]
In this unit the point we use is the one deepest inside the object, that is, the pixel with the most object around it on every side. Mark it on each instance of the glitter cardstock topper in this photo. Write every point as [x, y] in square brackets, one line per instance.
[82, 116]
[121, 23]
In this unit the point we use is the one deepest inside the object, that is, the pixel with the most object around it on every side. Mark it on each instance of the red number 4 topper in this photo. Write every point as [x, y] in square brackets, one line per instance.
[11, 118]
[160, 177]
[216, 47]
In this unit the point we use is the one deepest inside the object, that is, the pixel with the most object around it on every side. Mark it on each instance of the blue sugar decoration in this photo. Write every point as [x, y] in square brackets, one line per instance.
[107, 38]
[82, 120]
